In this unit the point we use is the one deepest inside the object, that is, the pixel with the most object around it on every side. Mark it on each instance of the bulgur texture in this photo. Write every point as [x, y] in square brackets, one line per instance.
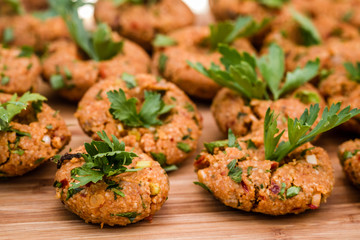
[145, 191]
[231, 110]
[141, 22]
[79, 74]
[349, 157]
[267, 186]
[182, 125]
[48, 135]
[171, 61]
[18, 74]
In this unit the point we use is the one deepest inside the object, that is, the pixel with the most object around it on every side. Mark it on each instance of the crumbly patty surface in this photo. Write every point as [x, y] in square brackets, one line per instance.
[79, 75]
[145, 191]
[264, 185]
[48, 136]
[181, 126]
[171, 61]
[18, 74]
[141, 22]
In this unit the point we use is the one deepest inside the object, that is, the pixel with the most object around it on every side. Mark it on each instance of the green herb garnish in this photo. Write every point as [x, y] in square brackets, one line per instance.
[307, 97]
[103, 159]
[8, 36]
[129, 80]
[125, 109]
[98, 45]
[292, 191]
[273, 3]
[353, 71]
[203, 186]
[162, 62]
[14, 106]
[309, 32]
[226, 32]
[183, 147]
[130, 215]
[161, 158]
[299, 131]
[240, 73]
[57, 82]
[234, 171]
[162, 40]
[26, 51]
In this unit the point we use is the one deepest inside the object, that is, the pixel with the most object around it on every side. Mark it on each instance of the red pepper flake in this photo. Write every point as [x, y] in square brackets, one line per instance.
[274, 166]
[64, 182]
[275, 189]
[223, 173]
[201, 163]
[244, 186]
[311, 206]
[149, 218]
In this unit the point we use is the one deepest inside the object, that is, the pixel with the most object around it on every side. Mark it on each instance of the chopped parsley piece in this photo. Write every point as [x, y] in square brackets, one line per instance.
[98, 95]
[114, 186]
[57, 82]
[299, 131]
[249, 169]
[68, 74]
[8, 35]
[250, 144]
[217, 144]
[129, 80]
[162, 40]
[189, 107]
[234, 171]
[26, 51]
[5, 80]
[103, 159]
[309, 32]
[183, 147]
[292, 191]
[273, 3]
[57, 184]
[130, 215]
[232, 141]
[347, 16]
[39, 160]
[353, 71]
[162, 62]
[161, 159]
[29, 66]
[125, 109]
[306, 96]
[203, 186]
[49, 126]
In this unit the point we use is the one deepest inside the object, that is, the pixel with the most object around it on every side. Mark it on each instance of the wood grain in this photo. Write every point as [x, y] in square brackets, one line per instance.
[29, 210]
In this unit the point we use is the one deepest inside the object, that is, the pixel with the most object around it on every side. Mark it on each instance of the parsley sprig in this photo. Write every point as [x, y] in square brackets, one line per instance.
[240, 73]
[125, 109]
[14, 106]
[226, 32]
[103, 159]
[353, 71]
[299, 131]
[309, 32]
[99, 45]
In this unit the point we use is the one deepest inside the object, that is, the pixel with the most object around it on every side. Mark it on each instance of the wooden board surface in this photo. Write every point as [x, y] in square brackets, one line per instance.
[29, 209]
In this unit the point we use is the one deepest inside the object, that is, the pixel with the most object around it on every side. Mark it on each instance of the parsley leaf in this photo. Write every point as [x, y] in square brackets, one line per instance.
[273, 3]
[234, 171]
[98, 45]
[183, 147]
[231, 142]
[161, 158]
[162, 40]
[8, 36]
[353, 71]
[14, 106]
[203, 186]
[103, 159]
[299, 131]
[306, 96]
[240, 73]
[26, 51]
[129, 80]
[130, 215]
[226, 32]
[125, 109]
[292, 191]
[309, 32]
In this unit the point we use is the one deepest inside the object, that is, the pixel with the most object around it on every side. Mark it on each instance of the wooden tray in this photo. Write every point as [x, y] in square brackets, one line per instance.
[29, 209]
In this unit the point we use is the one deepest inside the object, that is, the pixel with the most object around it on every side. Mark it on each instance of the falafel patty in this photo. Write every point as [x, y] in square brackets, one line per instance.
[19, 71]
[117, 200]
[170, 141]
[35, 136]
[141, 22]
[303, 180]
[348, 154]
[72, 75]
[231, 110]
[171, 61]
